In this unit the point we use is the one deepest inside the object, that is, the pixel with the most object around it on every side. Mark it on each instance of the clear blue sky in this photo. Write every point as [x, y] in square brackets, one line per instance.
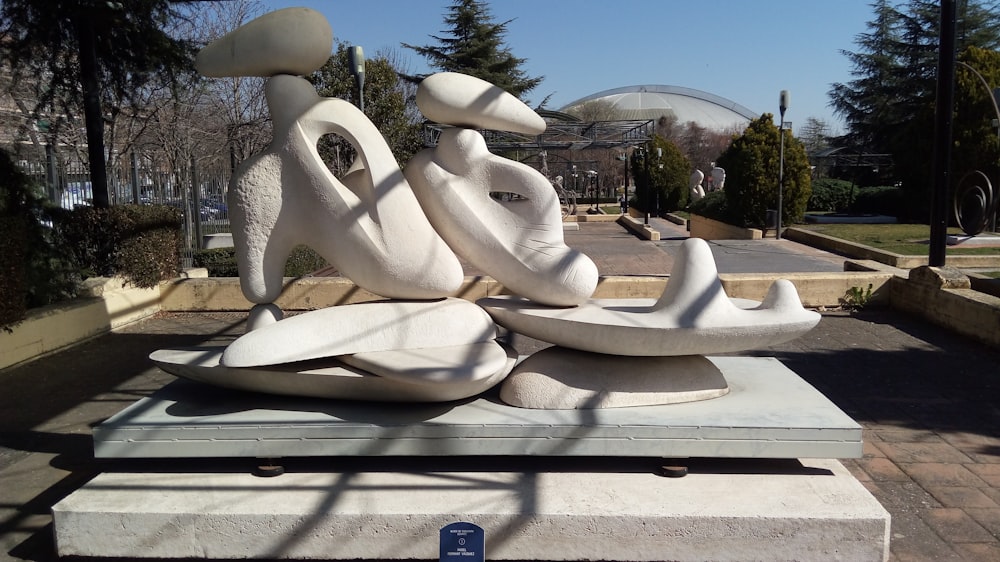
[743, 50]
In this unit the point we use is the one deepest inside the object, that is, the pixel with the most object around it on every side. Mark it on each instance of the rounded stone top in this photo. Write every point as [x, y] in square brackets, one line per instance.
[293, 41]
[458, 99]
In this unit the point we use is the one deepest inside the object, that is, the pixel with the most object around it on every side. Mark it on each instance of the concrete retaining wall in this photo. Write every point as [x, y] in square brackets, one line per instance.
[710, 229]
[638, 227]
[943, 296]
[107, 304]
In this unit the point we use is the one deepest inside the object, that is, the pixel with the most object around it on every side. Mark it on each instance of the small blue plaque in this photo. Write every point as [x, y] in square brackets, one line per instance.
[463, 541]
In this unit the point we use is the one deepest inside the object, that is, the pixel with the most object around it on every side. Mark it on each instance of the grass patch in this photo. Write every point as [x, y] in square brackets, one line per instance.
[905, 239]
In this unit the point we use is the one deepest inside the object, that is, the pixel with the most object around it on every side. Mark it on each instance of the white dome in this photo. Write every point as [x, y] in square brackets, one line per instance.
[686, 104]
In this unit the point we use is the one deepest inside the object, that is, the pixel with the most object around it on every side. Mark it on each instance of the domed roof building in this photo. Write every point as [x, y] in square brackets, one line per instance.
[654, 101]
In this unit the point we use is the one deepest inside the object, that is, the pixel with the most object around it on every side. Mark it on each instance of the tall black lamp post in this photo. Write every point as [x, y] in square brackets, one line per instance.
[356, 57]
[782, 106]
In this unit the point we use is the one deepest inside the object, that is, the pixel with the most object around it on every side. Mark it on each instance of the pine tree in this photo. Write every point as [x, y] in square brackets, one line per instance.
[475, 46]
[889, 106]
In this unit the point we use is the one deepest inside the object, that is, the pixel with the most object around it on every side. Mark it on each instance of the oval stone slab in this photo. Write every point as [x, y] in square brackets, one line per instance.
[293, 41]
[359, 328]
[557, 378]
[458, 99]
[322, 378]
[456, 364]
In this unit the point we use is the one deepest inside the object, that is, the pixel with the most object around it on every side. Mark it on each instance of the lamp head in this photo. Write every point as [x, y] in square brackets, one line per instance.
[783, 101]
[356, 56]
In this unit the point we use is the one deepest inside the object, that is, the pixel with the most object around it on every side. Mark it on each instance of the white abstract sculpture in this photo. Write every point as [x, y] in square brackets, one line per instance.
[378, 232]
[519, 243]
[718, 178]
[367, 224]
[697, 191]
[693, 316]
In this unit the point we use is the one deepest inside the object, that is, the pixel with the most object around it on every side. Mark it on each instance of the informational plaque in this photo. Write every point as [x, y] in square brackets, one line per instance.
[463, 541]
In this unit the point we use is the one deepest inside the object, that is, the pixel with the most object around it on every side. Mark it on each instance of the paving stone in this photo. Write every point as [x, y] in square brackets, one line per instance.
[979, 551]
[961, 496]
[914, 541]
[907, 435]
[990, 473]
[956, 525]
[941, 474]
[902, 497]
[922, 452]
[881, 469]
[989, 518]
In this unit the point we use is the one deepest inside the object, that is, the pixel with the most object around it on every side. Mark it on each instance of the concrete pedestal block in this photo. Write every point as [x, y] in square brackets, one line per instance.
[810, 510]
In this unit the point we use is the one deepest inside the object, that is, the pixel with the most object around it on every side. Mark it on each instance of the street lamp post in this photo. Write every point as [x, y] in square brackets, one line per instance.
[782, 106]
[356, 57]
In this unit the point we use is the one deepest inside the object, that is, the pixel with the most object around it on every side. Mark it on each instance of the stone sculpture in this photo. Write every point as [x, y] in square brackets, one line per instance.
[394, 234]
[718, 178]
[520, 242]
[285, 195]
[697, 191]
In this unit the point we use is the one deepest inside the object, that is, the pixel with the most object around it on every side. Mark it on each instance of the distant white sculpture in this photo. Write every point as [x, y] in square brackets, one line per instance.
[718, 178]
[697, 191]
[367, 224]
[519, 243]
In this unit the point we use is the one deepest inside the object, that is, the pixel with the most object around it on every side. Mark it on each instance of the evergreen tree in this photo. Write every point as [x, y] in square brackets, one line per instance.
[868, 102]
[752, 165]
[475, 46]
[662, 173]
[90, 52]
[976, 139]
[889, 106]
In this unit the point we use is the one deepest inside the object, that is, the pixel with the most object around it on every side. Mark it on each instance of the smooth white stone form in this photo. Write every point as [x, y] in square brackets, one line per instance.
[458, 99]
[369, 225]
[290, 41]
[326, 378]
[693, 316]
[363, 327]
[557, 378]
[263, 315]
[436, 365]
[519, 243]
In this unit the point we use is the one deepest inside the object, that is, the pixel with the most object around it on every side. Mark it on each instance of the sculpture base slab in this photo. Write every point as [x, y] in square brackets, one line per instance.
[770, 412]
[723, 510]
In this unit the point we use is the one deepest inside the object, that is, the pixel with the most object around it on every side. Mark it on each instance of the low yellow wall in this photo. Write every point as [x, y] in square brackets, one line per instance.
[942, 296]
[637, 227]
[107, 304]
[710, 229]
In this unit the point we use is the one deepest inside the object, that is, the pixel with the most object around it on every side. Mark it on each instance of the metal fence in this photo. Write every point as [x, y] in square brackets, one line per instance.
[199, 191]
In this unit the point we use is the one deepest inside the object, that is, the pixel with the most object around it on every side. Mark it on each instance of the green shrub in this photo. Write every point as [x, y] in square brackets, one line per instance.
[140, 243]
[221, 262]
[35, 270]
[13, 290]
[714, 206]
[880, 200]
[830, 195]
[752, 163]
[666, 172]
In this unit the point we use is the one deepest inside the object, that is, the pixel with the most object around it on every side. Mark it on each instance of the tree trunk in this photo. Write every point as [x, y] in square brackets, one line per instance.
[92, 113]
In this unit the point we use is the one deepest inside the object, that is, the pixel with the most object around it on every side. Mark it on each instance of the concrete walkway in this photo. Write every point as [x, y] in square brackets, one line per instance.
[929, 402]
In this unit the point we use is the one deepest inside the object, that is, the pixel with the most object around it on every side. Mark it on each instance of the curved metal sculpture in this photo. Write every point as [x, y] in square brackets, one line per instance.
[975, 202]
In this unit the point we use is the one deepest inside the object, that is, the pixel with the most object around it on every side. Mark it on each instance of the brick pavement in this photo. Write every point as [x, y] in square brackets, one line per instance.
[927, 399]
